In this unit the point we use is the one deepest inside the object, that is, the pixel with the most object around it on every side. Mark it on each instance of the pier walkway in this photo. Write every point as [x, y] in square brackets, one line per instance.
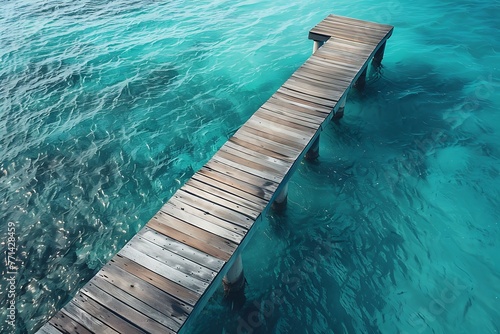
[169, 270]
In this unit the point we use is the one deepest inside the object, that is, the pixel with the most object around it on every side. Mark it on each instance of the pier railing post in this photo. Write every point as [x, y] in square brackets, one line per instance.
[379, 55]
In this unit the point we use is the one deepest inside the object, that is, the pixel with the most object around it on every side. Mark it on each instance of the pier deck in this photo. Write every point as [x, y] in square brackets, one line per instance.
[174, 264]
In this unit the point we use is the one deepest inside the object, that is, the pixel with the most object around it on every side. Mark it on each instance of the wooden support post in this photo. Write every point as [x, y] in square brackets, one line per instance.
[313, 152]
[282, 198]
[317, 45]
[234, 281]
[340, 112]
[360, 83]
[379, 55]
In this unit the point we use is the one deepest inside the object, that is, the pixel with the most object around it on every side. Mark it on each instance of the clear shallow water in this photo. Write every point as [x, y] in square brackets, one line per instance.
[110, 106]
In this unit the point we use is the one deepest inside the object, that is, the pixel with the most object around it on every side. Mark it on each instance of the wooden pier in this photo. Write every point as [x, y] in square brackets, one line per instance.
[169, 270]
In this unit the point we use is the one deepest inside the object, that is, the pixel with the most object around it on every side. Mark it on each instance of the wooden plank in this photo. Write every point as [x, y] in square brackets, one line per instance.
[338, 86]
[278, 157]
[181, 248]
[330, 70]
[220, 207]
[280, 127]
[125, 309]
[327, 31]
[341, 29]
[258, 160]
[48, 329]
[351, 53]
[332, 67]
[254, 151]
[88, 321]
[164, 284]
[160, 268]
[264, 186]
[268, 144]
[171, 259]
[246, 165]
[315, 90]
[295, 111]
[313, 109]
[310, 73]
[357, 23]
[290, 119]
[337, 58]
[323, 60]
[67, 325]
[228, 193]
[170, 306]
[177, 209]
[336, 34]
[224, 176]
[348, 47]
[193, 236]
[213, 182]
[217, 214]
[197, 207]
[287, 143]
[104, 315]
[296, 96]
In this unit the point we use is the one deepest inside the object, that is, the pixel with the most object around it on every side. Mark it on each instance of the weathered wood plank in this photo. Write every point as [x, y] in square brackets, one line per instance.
[48, 329]
[224, 175]
[171, 306]
[227, 193]
[311, 74]
[104, 315]
[287, 143]
[171, 259]
[196, 207]
[88, 321]
[297, 111]
[341, 29]
[357, 23]
[268, 144]
[280, 127]
[333, 67]
[337, 58]
[332, 74]
[181, 249]
[255, 151]
[316, 90]
[289, 119]
[236, 191]
[193, 236]
[183, 211]
[259, 160]
[160, 268]
[164, 284]
[338, 87]
[223, 208]
[123, 309]
[67, 325]
[247, 165]
[295, 95]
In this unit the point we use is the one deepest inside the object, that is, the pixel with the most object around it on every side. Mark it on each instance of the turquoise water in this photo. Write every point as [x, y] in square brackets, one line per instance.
[109, 106]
